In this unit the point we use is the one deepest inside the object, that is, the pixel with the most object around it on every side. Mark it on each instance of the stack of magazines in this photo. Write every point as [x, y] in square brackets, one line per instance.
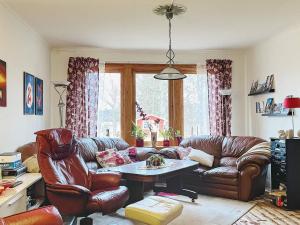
[11, 165]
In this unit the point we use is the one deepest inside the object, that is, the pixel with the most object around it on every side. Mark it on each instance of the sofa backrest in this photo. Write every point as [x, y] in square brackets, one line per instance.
[235, 146]
[87, 149]
[209, 144]
[110, 142]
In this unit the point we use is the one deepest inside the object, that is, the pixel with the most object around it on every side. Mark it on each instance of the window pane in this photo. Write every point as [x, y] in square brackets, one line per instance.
[152, 96]
[109, 104]
[195, 105]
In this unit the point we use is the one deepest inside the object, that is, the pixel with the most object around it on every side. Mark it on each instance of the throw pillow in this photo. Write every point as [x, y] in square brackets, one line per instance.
[132, 153]
[110, 158]
[32, 164]
[202, 157]
[183, 152]
[125, 155]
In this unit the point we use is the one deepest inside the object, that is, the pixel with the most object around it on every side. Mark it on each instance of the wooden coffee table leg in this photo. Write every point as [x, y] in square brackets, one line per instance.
[174, 185]
[136, 191]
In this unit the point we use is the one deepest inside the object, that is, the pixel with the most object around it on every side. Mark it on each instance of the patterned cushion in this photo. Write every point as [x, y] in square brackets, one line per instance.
[110, 158]
[183, 152]
[125, 155]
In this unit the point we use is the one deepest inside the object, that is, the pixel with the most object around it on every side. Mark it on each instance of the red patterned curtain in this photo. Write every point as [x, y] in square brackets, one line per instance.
[219, 76]
[82, 96]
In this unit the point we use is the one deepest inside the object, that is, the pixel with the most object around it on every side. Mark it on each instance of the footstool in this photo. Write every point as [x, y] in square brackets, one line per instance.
[154, 210]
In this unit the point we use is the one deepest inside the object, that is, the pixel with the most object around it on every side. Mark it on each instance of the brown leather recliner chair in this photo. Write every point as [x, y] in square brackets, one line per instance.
[70, 186]
[48, 215]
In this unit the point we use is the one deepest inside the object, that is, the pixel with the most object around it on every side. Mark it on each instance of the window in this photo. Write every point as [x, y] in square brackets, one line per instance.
[109, 105]
[195, 94]
[152, 96]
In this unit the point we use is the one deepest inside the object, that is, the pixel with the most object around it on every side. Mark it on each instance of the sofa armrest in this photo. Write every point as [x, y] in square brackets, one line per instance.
[68, 189]
[255, 159]
[105, 180]
[40, 216]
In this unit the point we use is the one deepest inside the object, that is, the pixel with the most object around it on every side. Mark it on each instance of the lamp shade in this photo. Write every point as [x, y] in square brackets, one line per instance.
[291, 103]
[169, 73]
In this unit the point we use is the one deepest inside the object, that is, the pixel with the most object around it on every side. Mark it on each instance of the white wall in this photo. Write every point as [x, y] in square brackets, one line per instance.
[60, 57]
[280, 56]
[23, 50]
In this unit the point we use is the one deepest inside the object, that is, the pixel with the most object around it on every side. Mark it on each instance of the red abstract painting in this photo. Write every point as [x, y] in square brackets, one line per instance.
[3, 91]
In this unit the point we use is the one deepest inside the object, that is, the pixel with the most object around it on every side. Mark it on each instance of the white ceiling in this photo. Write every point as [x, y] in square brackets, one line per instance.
[131, 24]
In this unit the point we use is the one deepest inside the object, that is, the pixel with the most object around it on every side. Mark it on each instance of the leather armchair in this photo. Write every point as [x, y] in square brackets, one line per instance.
[48, 215]
[70, 186]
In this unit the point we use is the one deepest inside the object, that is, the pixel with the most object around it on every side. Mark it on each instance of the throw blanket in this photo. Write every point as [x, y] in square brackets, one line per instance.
[259, 149]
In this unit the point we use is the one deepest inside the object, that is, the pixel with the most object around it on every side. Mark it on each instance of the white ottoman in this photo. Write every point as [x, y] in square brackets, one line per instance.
[154, 210]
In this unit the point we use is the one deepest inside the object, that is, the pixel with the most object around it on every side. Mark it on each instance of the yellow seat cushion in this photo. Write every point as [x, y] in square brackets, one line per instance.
[154, 210]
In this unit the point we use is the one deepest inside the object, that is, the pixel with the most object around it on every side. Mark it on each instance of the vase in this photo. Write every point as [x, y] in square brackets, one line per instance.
[139, 142]
[166, 143]
[178, 139]
[153, 139]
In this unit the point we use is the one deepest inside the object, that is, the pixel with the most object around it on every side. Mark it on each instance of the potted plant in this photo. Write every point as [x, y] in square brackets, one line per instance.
[167, 135]
[139, 135]
[177, 136]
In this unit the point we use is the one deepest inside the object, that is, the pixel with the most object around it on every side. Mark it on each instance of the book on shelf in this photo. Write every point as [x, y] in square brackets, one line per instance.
[11, 165]
[8, 157]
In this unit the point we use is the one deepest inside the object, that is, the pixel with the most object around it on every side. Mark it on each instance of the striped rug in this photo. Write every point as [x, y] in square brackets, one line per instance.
[264, 213]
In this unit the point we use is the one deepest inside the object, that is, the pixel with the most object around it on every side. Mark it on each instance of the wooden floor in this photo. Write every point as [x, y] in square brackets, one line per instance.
[264, 213]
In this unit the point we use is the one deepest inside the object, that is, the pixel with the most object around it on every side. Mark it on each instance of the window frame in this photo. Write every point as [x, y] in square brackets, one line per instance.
[128, 94]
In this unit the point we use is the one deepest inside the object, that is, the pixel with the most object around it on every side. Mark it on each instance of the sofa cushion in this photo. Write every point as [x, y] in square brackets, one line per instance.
[210, 144]
[202, 157]
[228, 161]
[104, 143]
[27, 150]
[110, 158]
[236, 146]
[87, 149]
[222, 171]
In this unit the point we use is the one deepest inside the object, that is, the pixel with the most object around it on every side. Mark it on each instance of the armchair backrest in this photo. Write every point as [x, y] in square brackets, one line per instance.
[59, 160]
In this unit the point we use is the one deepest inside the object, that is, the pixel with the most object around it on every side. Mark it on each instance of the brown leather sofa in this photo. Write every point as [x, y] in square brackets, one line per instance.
[88, 147]
[70, 186]
[242, 180]
[48, 215]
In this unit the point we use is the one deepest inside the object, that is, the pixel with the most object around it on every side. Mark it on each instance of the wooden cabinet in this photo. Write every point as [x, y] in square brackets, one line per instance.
[285, 167]
[15, 200]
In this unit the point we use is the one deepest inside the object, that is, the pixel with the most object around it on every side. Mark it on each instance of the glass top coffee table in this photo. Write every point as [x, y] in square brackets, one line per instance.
[136, 175]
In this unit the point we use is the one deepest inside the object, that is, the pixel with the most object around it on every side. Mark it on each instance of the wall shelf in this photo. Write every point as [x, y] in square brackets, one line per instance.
[276, 114]
[262, 92]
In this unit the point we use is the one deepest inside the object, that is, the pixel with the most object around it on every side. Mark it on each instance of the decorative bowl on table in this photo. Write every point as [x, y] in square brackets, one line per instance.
[155, 161]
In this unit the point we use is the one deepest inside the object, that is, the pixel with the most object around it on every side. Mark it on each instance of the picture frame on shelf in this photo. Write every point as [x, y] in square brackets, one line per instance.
[39, 89]
[269, 105]
[261, 88]
[29, 94]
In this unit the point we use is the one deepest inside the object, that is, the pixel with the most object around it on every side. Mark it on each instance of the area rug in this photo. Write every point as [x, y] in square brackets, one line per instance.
[264, 213]
[206, 210]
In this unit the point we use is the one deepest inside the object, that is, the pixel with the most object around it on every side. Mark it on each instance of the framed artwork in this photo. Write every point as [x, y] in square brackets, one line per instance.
[3, 85]
[39, 107]
[29, 94]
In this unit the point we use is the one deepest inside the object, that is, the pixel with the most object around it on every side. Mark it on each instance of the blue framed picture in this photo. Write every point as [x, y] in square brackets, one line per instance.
[29, 92]
[39, 107]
